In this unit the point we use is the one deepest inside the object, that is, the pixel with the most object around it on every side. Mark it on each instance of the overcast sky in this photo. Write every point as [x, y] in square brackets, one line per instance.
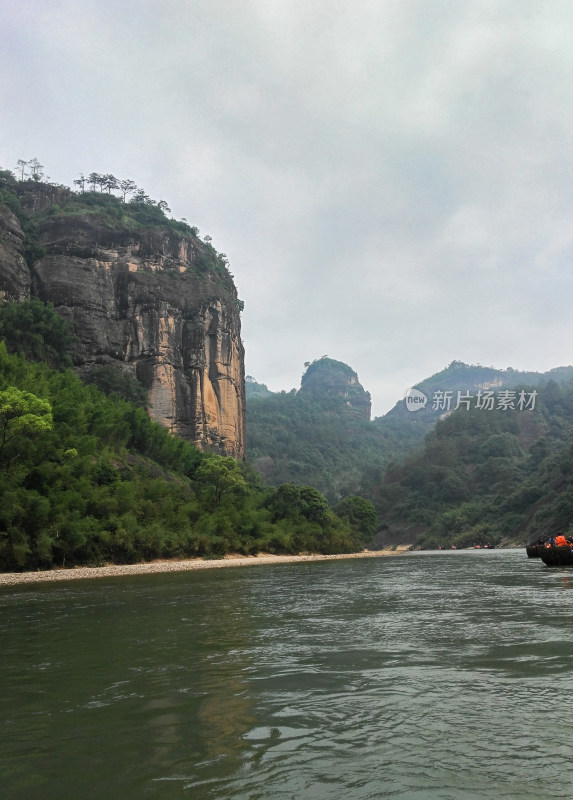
[391, 180]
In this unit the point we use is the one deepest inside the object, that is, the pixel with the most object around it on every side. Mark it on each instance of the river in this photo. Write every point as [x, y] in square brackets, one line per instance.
[432, 676]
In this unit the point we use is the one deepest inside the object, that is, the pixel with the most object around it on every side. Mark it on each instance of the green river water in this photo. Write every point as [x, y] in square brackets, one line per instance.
[424, 677]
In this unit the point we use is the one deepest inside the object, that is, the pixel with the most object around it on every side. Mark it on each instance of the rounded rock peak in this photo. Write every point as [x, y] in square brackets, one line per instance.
[326, 376]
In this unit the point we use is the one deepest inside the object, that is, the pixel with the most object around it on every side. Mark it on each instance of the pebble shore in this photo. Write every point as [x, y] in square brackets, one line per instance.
[153, 567]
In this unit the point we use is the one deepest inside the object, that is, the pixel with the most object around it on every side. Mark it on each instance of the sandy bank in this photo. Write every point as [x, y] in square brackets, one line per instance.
[112, 570]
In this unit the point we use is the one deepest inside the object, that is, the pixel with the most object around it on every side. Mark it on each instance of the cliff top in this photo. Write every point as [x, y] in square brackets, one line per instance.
[116, 212]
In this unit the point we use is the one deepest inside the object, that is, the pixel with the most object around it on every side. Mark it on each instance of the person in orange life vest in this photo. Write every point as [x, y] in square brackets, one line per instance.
[560, 540]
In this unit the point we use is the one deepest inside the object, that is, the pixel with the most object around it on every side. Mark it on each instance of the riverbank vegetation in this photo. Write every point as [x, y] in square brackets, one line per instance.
[486, 476]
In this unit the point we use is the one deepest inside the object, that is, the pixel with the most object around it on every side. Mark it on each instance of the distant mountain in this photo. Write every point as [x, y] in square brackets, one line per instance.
[321, 435]
[466, 384]
[485, 476]
[326, 377]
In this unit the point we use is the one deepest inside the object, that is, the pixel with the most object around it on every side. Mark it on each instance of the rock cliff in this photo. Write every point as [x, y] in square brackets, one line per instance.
[151, 300]
[14, 274]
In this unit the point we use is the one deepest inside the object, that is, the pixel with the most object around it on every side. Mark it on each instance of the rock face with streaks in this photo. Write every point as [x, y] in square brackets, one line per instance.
[153, 301]
[15, 275]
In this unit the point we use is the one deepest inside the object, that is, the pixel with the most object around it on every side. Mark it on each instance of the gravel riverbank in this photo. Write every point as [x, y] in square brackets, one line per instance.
[113, 570]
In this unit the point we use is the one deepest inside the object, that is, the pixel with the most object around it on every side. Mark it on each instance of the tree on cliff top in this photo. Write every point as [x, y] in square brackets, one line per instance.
[31, 170]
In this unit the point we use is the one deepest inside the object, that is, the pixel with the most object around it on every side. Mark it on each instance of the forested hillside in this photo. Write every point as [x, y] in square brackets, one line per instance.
[485, 476]
[87, 478]
[474, 479]
[441, 389]
[322, 435]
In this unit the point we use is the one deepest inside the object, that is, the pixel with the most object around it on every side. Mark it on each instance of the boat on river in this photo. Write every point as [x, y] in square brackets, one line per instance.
[533, 549]
[553, 555]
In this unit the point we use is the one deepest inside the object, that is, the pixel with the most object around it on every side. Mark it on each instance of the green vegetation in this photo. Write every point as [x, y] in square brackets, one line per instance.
[322, 435]
[8, 196]
[22, 415]
[255, 390]
[131, 210]
[479, 477]
[470, 378]
[88, 478]
[486, 476]
[112, 380]
[34, 330]
[115, 213]
[327, 376]
[360, 513]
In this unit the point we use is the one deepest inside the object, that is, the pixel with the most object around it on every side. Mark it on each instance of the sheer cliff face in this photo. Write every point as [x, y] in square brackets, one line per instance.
[140, 301]
[14, 274]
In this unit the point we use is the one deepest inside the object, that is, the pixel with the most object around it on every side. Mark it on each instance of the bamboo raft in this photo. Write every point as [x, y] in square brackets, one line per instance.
[552, 555]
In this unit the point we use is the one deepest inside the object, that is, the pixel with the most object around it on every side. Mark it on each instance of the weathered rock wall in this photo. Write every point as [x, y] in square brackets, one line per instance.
[146, 302]
[14, 274]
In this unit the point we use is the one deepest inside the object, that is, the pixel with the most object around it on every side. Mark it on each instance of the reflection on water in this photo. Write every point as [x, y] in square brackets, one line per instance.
[437, 675]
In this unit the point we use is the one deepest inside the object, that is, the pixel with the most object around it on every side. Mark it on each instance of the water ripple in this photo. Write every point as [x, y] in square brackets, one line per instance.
[435, 677]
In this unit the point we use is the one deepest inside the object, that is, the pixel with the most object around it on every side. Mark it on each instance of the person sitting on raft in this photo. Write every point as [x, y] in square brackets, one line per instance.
[560, 540]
